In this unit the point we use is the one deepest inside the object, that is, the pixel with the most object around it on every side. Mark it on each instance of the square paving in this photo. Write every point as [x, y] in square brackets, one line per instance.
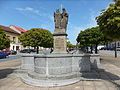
[104, 80]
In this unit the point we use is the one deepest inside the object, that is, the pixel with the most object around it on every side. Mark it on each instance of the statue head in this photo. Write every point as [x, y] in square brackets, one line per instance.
[64, 11]
[57, 11]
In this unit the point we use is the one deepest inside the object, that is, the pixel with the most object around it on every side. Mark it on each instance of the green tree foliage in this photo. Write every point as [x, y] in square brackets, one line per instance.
[91, 37]
[37, 37]
[70, 45]
[109, 22]
[4, 41]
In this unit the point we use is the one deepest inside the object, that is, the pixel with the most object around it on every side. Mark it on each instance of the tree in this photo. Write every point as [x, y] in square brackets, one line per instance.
[69, 45]
[83, 39]
[91, 37]
[109, 22]
[37, 37]
[4, 41]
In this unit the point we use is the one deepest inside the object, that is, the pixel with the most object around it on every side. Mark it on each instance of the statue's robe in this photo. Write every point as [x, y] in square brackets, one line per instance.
[57, 20]
[64, 20]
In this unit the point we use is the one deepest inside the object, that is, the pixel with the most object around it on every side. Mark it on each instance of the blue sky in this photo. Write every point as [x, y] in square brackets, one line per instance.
[39, 14]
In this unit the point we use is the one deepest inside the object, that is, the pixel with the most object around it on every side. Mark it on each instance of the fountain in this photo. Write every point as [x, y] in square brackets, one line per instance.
[60, 67]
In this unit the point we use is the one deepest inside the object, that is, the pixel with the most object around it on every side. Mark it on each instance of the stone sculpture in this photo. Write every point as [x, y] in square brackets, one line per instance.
[61, 19]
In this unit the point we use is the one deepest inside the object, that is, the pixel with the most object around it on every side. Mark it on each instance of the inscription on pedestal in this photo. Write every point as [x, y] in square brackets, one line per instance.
[59, 44]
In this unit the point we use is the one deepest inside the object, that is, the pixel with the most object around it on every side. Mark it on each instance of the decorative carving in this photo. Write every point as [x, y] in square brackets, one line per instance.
[61, 19]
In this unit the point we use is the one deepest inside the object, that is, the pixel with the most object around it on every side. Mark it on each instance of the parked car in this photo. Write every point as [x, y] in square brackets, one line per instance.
[6, 52]
[107, 48]
[3, 55]
[12, 52]
[28, 51]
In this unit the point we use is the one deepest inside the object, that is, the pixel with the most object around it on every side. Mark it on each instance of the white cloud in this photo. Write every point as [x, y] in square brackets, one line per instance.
[28, 9]
[19, 9]
[35, 12]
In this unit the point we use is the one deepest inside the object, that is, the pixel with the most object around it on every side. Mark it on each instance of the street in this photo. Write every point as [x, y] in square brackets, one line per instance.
[11, 57]
[109, 52]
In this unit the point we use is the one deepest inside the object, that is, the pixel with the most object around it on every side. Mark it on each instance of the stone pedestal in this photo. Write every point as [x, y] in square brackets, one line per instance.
[60, 43]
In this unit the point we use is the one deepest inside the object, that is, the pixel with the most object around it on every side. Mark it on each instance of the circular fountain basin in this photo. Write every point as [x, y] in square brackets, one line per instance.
[54, 69]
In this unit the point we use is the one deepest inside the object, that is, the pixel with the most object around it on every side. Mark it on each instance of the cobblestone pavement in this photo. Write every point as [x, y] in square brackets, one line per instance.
[109, 79]
[109, 57]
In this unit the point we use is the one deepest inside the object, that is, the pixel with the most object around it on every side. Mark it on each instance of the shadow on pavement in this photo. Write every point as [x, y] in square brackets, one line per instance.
[97, 73]
[104, 75]
[5, 72]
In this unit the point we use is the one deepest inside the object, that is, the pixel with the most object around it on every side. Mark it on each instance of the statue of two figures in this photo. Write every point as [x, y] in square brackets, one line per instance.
[61, 19]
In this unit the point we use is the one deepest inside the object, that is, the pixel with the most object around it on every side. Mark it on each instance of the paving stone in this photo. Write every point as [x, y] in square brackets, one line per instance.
[112, 88]
[80, 83]
[36, 88]
[17, 84]
[109, 84]
[89, 88]
[18, 88]
[25, 85]
[69, 87]
[12, 82]
[78, 88]
[55, 88]
[117, 81]
[4, 81]
[2, 88]
[99, 83]
[101, 88]
[88, 83]
[28, 88]
[45, 88]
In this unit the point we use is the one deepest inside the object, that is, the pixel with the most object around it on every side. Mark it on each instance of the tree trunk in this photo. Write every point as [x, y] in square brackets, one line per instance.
[87, 49]
[96, 49]
[37, 49]
[91, 48]
[115, 50]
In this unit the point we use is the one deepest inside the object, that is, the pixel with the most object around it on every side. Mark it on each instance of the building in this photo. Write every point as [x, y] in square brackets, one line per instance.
[17, 29]
[13, 32]
[112, 44]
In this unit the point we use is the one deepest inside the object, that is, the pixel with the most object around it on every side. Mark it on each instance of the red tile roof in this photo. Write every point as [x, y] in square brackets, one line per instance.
[19, 28]
[7, 29]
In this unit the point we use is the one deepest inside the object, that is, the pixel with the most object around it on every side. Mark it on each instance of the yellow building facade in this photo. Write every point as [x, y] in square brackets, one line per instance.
[13, 36]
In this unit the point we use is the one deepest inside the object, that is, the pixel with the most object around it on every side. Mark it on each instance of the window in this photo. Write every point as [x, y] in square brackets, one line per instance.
[17, 47]
[13, 47]
[18, 41]
[118, 44]
[14, 39]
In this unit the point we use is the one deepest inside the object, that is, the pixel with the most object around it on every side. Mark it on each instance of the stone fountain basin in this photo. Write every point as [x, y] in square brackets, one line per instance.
[57, 69]
[59, 64]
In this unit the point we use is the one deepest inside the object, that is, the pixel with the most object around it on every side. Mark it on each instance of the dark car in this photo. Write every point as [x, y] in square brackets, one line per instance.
[12, 52]
[3, 55]
[27, 51]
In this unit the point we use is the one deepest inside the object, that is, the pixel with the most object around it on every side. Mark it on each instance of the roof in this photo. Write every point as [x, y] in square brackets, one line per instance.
[7, 29]
[19, 29]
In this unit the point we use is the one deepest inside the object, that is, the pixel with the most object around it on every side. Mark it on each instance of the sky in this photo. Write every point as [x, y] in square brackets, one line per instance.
[39, 14]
